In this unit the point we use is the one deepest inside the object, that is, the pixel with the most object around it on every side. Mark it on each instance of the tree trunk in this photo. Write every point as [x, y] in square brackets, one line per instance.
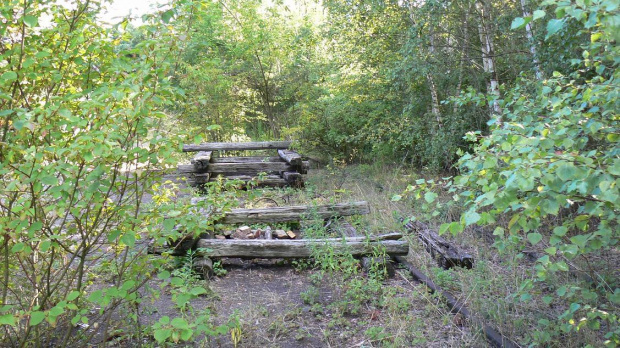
[530, 40]
[431, 82]
[488, 53]
[464, 56]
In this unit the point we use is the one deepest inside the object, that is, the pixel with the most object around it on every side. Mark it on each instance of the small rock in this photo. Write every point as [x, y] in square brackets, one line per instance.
[281, 234]
[245, 229]
[250, 236]
[228, 233]
[239, 235]
[291, 234]
[258, 233]
[220, 237]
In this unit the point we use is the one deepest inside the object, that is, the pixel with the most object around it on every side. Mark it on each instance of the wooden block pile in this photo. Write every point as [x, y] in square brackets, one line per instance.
[285, 169]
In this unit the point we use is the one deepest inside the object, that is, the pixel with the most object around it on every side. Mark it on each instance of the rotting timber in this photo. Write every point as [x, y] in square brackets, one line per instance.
[285, 169]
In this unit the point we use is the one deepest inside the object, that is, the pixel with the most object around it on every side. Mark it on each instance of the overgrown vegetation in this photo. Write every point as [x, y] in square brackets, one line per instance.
[546, 178]
[518, 99]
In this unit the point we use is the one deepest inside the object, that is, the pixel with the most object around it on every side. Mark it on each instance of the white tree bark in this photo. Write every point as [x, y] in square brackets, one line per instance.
[488, 53]
[530, 40]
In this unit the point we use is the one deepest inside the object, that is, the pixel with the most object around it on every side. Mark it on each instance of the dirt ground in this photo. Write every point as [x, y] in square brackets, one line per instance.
[292, 304]
[271, 302]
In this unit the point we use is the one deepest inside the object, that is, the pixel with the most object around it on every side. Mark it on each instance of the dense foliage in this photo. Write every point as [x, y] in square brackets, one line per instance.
[81, 127]
[546, 177]
[521, 96]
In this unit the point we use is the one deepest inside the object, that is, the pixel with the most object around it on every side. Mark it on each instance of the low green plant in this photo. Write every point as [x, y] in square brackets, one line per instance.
[310, 296]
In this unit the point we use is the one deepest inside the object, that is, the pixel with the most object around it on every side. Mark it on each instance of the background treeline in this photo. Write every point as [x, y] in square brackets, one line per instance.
[357, 79]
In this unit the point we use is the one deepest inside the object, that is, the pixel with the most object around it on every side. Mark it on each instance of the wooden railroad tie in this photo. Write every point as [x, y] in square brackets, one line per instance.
[286, 169]
[447, 255]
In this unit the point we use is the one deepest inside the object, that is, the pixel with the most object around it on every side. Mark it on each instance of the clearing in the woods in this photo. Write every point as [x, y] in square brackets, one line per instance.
[326, 302]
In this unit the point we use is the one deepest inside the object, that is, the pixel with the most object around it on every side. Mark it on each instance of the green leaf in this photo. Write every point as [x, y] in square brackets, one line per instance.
[169, 224]
[36, 317]
[186, 334]
[198, 290]
[554, 26]
[49, 180]
[566, 171]
[471, 217]
[45, 245]
[73, 295]
[8, 76]
[167, 15]
[31, 21]
[615, 169]
[179, 323]
[519, 22]
[129, 239]
[430, 197]
[396, 198]
[161, 335]
[538, 14]
[443, 228]
[560, 231]
[580, 240]
[534, 238]
[95, 296]
[7, 319]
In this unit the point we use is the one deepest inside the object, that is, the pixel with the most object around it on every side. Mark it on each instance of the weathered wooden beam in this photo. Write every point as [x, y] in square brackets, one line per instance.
[246, 159]
[458, 306]
[185, 168]
[262, 145]
[252, 167]
[291, 157]
[295, 213]
[201, 161]
[296, 248]
[293, 178]
[446, 254]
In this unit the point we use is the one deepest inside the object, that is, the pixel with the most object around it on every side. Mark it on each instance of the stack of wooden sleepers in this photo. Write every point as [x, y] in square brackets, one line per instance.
[285, 169]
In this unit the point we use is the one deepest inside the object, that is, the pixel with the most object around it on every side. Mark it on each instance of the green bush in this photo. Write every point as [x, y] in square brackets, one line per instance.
[550, 168]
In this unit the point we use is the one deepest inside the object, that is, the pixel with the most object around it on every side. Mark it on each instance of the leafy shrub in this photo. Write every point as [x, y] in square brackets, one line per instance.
[550, 167]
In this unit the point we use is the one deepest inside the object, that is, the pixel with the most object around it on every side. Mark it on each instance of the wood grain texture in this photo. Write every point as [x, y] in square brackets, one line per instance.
[261, 145]
[293, 248]
[295, 213]
[291, 157]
